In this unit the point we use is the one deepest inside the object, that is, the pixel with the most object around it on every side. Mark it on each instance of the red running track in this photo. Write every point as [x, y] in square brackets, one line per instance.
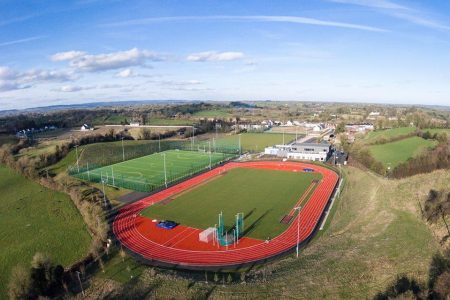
[127, 222]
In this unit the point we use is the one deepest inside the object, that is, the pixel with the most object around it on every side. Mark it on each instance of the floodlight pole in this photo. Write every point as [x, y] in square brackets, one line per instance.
[239, 144]
[81, 286]
[165, 171]
[76, 153]
[209, 143]
[283, 136]
[193, 136]
[298, 228]
[112, 174]
[104, 194]
[123, 151]
[159, 142]
[296, 134]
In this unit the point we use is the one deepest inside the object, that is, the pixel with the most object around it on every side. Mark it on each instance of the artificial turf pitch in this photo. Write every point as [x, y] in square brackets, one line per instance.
[149, 170]
[264, 196]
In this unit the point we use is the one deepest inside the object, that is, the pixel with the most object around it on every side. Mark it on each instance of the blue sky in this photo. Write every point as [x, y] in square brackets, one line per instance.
[61, 52]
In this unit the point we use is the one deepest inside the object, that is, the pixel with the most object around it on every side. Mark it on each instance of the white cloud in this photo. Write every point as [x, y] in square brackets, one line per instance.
[45, 75]
[68, 55]
[74, 88]
[7, 74]
[20, 41]
[398, 11]
[11, 86]
[215, 56]
[81, 61]
[125, 73]
[283, 19]
[13, 80]
[373, 3]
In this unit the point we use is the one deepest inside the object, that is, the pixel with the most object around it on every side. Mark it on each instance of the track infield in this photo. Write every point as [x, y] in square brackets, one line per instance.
[264, 196]
[181, 247]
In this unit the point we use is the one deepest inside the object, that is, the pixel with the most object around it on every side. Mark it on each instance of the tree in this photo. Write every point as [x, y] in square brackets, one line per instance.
[340, 128]
[437, 205]
[442, 285]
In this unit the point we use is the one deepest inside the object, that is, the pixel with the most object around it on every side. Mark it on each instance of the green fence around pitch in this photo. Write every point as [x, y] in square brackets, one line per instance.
[105, 154]
[91, 173]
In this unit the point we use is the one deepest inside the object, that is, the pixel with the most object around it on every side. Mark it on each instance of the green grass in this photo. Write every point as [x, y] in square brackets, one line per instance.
[213, 113]
[256, 142]
[35, 219]
[178, 122]
[388, 133]
[7, 139]
[121, 269]
[149, 170]
[392, 154]
[264, 196]
[438, 130]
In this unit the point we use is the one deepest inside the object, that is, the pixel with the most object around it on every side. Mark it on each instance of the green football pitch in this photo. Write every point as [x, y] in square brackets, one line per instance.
[149, 172]
[264, 196]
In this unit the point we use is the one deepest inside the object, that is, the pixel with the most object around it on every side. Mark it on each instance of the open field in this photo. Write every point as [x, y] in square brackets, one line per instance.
[35, 219]
[213, 113]
[256, 142]
[147, 172]
[264, 196]
[155, 121]
[377, 227]
[372, 136]
[392, 154]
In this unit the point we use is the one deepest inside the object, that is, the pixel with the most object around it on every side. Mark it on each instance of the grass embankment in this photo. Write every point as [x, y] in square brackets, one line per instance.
[35, 219]
[256, 142]
[392, 154]
[376, 233]
[264, 196]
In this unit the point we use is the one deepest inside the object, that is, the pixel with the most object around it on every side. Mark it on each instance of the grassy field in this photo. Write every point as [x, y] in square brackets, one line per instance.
[178, 122]
[256, 142]
[264, 196]
[376, 234]
[213, 113]
[372, 136]
[148, 171]
[35, 219]
[392, 154]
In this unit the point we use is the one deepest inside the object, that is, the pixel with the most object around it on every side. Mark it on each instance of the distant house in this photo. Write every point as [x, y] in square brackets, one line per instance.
[86, 127]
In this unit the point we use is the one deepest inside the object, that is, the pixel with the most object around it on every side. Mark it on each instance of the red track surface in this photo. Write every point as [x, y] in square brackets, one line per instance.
[181, 247]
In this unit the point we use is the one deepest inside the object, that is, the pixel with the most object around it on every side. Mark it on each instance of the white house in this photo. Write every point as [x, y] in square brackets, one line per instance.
[86, 127]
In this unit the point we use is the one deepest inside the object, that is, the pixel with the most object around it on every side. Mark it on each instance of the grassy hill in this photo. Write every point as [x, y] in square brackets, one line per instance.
[392, 154]
[35, 219]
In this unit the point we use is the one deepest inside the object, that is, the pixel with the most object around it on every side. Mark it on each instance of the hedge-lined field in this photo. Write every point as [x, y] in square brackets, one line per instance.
[392, 154]
[36, 219]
